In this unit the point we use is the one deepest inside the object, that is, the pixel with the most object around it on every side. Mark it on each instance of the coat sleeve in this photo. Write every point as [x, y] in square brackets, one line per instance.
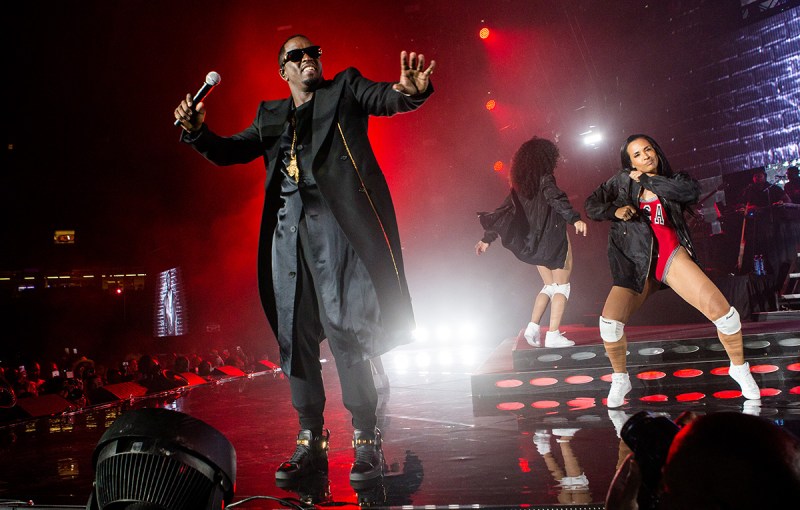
[497, 221]
[680, 187]
[379, 98]
[242, 147]
[558, 200]
[600, 204]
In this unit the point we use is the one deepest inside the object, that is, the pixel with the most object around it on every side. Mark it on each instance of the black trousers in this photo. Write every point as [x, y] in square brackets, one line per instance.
[359, 395]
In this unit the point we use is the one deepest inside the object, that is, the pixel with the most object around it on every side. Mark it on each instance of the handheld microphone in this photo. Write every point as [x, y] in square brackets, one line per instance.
[212, 80]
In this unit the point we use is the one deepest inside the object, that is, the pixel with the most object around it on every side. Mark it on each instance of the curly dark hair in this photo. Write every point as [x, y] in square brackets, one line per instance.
[625, 158]
[534, 159]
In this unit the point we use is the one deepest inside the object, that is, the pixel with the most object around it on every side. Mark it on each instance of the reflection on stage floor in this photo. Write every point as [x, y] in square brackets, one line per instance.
[464, 424]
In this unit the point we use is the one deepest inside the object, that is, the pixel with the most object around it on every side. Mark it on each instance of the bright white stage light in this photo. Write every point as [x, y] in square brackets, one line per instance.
[444, 358]
[422, 361]
[592, 138]
[400, 362]
[468, 356]
[443, 333]
[421, 334]
[467, 331]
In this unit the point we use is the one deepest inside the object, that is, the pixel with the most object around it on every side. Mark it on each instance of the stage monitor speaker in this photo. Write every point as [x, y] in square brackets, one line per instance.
[45, 405]
[193, 379]
[162, 460]
[227, 371]
[117, 391]
[269, 364]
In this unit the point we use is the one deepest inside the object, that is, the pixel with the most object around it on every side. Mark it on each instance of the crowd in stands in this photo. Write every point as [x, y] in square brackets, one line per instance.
[79, 379]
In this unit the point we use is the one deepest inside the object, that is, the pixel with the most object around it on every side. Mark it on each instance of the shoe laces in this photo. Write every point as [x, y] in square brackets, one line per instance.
[365, 453]
[299, 453]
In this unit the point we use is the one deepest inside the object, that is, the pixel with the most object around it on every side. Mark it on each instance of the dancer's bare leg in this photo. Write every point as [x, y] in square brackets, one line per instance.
[621, 303]
[542, 299]
[690, 282]
[559, 301]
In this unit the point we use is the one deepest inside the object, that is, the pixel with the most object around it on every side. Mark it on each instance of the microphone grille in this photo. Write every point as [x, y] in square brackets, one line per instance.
[213, 78]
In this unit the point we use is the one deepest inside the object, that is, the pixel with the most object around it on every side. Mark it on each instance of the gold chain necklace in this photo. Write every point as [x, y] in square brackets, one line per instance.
[293, 170]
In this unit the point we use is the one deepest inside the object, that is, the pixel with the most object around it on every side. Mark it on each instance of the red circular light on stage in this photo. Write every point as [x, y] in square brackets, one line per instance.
[720, 371]
[606, 378]
[510, 406]
[545, 404]
[491, 104]
[651, 375]
[795, 390]
[578, 379]
[690, 397]
[581, 402]
[484, 33]
[687, 372]
[794, 367]
[770, 392]
[498, 166]
[508, 383]
[654, 398]
[725, 394]
[764, 369]
[543, 381]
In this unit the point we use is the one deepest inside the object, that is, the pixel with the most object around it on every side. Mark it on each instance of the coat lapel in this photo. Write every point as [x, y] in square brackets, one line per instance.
[325, 103]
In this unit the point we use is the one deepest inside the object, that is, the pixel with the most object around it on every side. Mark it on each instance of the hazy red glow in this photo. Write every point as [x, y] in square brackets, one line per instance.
[510, 406]
[578, 379]
[690, 397]
[581, 403]
[764, 369]
[651, 375]
[484, 33]
[545, 404]
[728, 394]
[654, 398]
[508, 383]
[543, 381]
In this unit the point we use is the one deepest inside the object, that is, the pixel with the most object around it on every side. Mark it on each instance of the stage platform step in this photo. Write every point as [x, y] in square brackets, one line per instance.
[529, 380]
[658, 350]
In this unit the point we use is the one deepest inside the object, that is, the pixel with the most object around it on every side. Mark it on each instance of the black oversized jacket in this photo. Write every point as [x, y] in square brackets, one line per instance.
[534, 229]
[630, 243]
[349, 179]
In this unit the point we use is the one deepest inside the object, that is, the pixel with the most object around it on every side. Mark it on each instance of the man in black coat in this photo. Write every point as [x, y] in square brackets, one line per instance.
[330, 264]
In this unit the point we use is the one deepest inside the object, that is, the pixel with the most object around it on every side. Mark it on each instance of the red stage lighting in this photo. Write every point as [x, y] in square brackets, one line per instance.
[484, 33]
[491, 104]
[498, 166]
[118, 291]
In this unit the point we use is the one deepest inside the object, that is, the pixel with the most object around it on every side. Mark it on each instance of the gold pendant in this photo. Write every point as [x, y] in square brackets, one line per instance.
[293, 170]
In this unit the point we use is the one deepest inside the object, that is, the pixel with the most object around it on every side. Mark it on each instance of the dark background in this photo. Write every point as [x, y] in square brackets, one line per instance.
[88, 144]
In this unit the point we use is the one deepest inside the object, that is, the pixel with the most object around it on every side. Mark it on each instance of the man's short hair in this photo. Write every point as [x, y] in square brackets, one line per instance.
[282, 51]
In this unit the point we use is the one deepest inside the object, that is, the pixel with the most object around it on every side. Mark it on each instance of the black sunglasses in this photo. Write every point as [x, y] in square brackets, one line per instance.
[297, 54]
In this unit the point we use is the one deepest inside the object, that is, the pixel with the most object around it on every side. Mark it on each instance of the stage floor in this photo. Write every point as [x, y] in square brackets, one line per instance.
[445, 446]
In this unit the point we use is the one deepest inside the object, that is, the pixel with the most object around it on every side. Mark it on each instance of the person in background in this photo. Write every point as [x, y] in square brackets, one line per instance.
[532, 224]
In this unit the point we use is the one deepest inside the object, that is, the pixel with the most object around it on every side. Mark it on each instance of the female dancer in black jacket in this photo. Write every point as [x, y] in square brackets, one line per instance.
[531, 223]
[649, 245]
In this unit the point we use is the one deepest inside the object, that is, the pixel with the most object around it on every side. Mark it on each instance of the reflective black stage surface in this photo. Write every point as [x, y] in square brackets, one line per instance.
[464, 425]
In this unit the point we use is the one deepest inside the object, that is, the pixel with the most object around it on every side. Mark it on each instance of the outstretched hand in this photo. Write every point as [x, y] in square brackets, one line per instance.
[413, 80]
[481, 248]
